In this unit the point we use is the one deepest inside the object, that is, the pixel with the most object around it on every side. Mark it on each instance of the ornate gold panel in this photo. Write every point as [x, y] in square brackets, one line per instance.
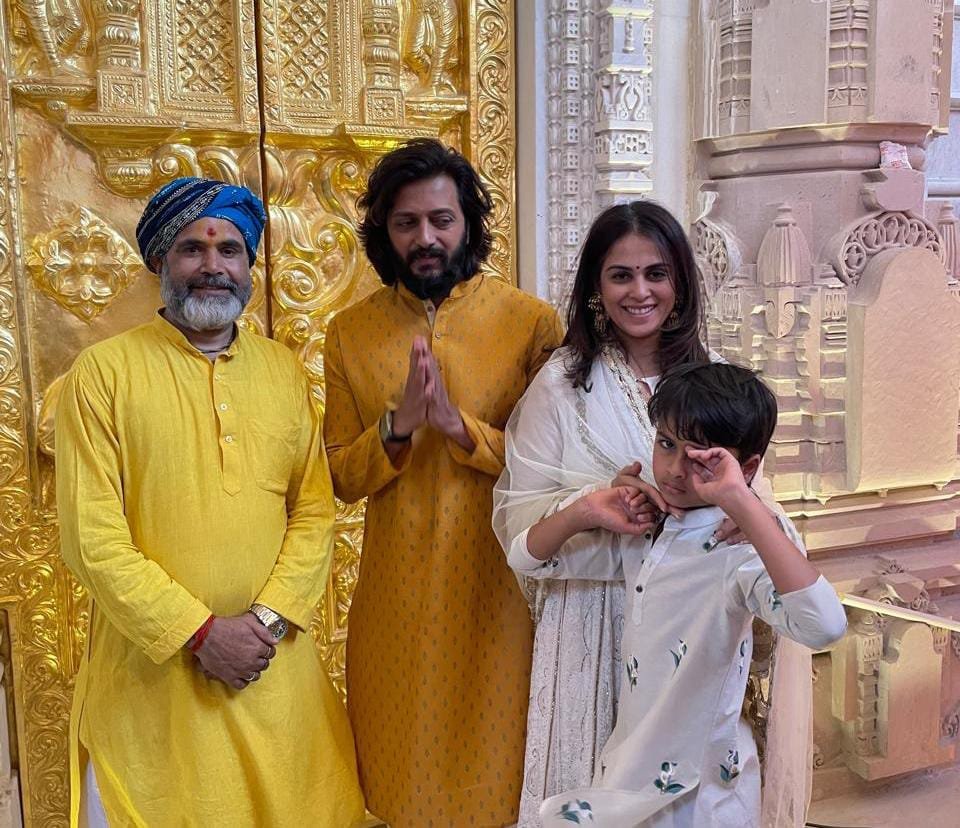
[108, 99]
[311, 70]
[205, 65]
[82, 263]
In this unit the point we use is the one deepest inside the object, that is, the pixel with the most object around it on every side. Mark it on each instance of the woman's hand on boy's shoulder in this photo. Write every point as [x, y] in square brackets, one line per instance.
[655, 504]
[623, 510]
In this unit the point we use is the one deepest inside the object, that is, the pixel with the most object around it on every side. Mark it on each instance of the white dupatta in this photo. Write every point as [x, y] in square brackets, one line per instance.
[562, 443]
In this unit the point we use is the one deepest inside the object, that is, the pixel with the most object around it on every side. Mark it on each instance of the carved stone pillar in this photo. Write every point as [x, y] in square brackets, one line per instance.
[596, 140]
[624, 107]
[943, 155]
[838, 280]
[735, 19]
[570, 46]
[947, 227]
[794, 193]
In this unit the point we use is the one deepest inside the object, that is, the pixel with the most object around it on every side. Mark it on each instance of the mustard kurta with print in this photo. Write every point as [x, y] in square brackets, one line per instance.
[439, 635]
[186, 488]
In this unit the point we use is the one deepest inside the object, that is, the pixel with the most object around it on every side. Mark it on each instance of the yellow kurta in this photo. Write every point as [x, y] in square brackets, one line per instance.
[186, 488]
[439, 635]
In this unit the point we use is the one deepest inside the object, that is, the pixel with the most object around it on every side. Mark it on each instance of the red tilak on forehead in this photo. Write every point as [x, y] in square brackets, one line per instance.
[211, 231]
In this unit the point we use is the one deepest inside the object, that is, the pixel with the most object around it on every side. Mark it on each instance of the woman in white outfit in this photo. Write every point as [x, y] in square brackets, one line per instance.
[635, 310]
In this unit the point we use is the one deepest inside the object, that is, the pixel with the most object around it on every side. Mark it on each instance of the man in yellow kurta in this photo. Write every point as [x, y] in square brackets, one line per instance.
[195, 506]
[421, 377]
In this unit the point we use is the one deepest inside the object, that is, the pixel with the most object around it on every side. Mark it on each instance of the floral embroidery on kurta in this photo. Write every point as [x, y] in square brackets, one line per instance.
[678, 654]
[578, 812]
[711, 640]
[665, 782]
[730, 770]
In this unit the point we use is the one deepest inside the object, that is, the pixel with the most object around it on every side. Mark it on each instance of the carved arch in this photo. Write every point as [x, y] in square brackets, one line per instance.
[851, 250]
[717, 253]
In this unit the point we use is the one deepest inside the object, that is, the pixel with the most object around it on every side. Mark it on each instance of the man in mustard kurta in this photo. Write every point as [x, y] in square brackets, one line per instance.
[420, 379]
[195, 506]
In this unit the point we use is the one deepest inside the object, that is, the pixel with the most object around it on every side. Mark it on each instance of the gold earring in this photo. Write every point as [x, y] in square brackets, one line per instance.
[600, 319]
[673, 318]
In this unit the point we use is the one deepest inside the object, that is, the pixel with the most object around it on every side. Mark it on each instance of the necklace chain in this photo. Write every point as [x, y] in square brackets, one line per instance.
[222, 348]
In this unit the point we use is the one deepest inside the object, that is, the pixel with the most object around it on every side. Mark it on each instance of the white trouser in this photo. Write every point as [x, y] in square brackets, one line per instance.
[91, 808]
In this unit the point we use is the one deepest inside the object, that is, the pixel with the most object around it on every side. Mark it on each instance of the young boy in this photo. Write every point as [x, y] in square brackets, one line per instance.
[680, 755]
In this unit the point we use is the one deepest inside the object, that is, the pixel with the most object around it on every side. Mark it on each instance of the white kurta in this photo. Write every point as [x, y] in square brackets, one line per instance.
[561, 443]
[687, 642]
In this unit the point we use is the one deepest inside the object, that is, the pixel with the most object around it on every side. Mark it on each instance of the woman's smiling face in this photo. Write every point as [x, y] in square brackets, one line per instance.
[636, 288]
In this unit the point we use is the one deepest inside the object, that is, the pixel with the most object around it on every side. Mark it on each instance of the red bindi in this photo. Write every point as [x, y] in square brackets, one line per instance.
[211, 231]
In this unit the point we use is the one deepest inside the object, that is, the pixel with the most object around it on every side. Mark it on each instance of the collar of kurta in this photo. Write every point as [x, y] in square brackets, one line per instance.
[174, 335]
[695, 518]
[459, 290]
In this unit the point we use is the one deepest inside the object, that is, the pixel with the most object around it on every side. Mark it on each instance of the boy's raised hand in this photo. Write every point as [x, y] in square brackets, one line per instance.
[717, 477]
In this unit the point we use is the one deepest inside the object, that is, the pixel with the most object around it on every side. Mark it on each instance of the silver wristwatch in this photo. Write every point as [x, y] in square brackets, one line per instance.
[273, 621]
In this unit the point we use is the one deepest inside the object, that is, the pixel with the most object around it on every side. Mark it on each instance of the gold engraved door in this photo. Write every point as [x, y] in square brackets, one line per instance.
[105, 101]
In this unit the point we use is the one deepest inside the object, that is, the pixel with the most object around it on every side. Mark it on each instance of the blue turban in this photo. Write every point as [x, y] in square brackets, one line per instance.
[184, 201]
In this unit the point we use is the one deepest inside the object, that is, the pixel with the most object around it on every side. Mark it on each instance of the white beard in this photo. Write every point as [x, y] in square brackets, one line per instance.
[201, 313]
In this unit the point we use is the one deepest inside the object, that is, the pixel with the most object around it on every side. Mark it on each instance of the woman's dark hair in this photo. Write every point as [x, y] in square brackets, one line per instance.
[681, 341]
[417, 160]
[716, 404]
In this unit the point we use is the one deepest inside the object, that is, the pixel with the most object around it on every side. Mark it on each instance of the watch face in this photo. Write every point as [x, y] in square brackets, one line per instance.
[278, 629]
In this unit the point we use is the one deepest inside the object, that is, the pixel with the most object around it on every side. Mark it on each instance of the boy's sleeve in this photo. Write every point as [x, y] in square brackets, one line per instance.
[812, 616]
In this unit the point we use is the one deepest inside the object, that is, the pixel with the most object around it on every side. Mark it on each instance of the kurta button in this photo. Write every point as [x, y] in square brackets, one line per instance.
[436, 335]
[218, 377]
[639, 588]
[229, 438]
[648, 536]
[223, 406]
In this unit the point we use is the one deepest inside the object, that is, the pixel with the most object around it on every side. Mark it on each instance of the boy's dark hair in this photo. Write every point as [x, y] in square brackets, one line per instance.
[420, 159]
[716, 404]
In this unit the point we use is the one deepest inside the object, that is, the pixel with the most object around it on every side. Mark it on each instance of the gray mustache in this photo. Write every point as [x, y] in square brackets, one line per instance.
[213, 282]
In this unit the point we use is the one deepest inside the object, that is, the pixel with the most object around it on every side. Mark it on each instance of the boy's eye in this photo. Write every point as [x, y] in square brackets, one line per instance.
[665, 443]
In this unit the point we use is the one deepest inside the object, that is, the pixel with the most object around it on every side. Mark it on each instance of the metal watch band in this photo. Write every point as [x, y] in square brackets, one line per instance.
[272, 620]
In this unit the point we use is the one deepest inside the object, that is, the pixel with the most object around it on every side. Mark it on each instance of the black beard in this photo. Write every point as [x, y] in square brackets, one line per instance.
[438, 287]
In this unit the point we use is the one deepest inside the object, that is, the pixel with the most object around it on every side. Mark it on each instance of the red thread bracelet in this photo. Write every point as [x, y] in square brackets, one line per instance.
[200, 635]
